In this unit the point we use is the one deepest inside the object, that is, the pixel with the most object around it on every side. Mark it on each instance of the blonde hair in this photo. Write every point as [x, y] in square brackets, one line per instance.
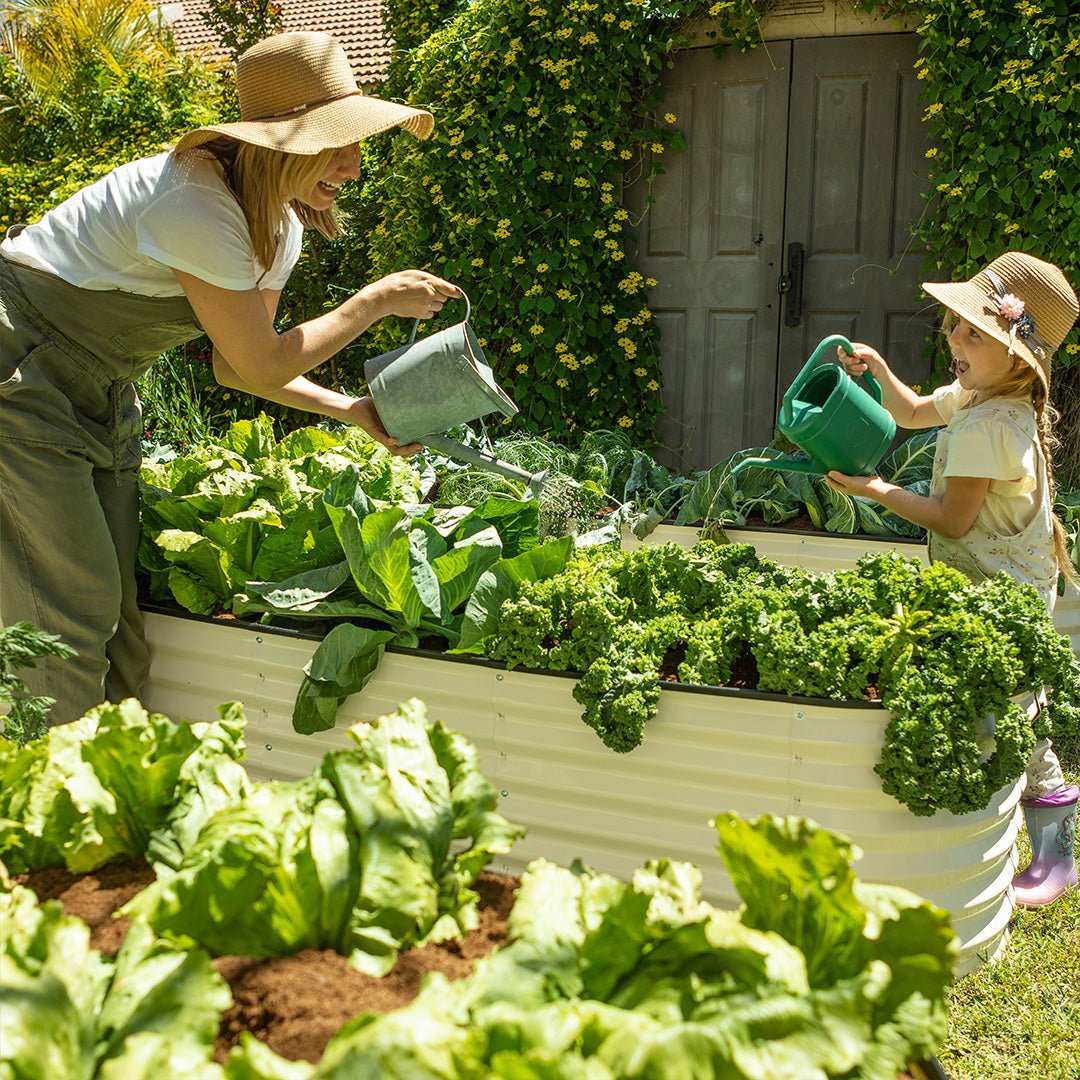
[262, 180]
[1022, 380]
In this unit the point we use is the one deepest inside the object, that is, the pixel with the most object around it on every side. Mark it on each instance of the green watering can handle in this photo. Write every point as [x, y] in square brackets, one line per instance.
[827, 345]
[468, 312]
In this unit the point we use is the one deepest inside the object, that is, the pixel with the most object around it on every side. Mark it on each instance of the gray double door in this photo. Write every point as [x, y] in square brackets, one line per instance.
[787, 218]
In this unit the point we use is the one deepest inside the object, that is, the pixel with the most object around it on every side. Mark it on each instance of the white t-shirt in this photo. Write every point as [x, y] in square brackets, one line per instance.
[127, 231]
[996, 439]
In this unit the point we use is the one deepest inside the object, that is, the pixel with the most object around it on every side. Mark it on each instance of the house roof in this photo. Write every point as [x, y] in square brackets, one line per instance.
[357, 24]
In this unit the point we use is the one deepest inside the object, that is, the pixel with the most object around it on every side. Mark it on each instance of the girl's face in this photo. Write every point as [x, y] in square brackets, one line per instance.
[981, 361]
[344, 164]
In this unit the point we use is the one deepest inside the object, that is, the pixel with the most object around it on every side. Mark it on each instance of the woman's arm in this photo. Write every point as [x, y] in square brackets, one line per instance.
[302, 393]
[241, 326]
[908, 409]
[950, 514]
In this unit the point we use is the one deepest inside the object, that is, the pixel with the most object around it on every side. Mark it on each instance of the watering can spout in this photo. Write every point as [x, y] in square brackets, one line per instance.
[488, 462]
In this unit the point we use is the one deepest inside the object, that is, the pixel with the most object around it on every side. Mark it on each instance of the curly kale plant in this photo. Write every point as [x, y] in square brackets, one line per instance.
[950, 660]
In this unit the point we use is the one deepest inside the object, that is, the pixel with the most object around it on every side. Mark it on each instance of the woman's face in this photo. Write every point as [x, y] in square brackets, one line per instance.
[344, 164]
[981, 361]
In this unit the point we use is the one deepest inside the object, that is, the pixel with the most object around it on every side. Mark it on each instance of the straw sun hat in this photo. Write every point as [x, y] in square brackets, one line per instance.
[297, 93]
[1019, 300]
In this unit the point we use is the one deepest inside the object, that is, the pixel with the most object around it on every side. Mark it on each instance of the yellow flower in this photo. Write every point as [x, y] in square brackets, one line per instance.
[1065, 152]
[593, 392]
[547, 174]
[962, 42]
[923, 72]
[576, 144]
[580, 181]
[640, 372]
[478, 261]
[517, 260]
[574, 242]
[956, 191]
[1073, 349]
[560, 346]
[625, 421]
[608, 309]
[516, 347]
[651, 282]
[1011, 227]
[561, 382]
[542, 268]
[534, 112]
[536, 328]
[657, 147]
[565, 84]
[607, 144]
[652, 384]
[626, 155]
[621, 325]
[1048, 174]
[621, 214]
[670, 118]
[932, 152]
[586, 360]
[521, 368]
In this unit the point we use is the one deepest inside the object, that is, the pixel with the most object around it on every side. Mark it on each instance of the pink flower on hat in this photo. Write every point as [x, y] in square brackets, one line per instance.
[1011, 307]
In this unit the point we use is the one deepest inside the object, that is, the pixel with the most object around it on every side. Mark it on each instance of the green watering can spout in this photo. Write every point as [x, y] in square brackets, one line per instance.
[838, 423]
[428, 386]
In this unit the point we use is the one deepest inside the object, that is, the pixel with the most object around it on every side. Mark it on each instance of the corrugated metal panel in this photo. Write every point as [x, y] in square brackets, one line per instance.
[824, 554]
[704, 752]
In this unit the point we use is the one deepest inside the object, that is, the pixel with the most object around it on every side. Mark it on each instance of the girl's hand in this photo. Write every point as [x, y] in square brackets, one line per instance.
[863, 359]
[362, 413]
[870, 487]
[415, 294]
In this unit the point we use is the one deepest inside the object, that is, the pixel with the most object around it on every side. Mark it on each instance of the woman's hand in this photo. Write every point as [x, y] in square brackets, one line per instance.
[362, 413]
[862, 359]
[415, 294]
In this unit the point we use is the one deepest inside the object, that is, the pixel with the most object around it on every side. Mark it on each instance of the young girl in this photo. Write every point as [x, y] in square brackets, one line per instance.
[201, 239]
[990, 506]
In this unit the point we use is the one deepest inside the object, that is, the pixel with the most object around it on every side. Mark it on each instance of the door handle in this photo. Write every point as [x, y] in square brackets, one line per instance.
[790, 285]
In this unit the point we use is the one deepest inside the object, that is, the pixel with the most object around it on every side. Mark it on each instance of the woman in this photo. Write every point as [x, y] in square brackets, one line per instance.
[201, 239]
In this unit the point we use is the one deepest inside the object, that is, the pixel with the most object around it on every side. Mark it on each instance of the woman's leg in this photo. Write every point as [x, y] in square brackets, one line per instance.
[59, 567]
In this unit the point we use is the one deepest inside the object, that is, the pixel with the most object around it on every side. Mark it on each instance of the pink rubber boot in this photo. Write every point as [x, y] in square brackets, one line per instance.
[1051, 826]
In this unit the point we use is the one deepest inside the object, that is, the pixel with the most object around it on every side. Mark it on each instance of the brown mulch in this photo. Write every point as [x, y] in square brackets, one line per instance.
[294, 1004]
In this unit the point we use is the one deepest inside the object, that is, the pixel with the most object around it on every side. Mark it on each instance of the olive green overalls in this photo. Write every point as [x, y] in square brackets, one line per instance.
[70, 430]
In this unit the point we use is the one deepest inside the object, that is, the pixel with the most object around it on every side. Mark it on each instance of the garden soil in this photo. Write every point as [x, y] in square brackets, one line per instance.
[294, 1004]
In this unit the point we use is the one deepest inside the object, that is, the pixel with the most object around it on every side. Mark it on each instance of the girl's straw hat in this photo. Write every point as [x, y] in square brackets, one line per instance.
[298, 94]
[1019, 300]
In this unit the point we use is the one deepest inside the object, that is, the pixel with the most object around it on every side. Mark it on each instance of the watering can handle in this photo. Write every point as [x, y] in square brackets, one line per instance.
[827, 345]
[468, 312]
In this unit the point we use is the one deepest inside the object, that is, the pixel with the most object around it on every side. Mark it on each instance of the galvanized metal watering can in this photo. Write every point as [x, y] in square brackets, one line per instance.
[433, 384]
[830, 417]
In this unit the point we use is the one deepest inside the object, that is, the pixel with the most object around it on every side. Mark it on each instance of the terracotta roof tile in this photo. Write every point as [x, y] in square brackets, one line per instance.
[357, 24]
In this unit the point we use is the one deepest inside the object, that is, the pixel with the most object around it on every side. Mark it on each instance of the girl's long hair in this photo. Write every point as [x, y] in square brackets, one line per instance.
[261, 180]
[1022, 381]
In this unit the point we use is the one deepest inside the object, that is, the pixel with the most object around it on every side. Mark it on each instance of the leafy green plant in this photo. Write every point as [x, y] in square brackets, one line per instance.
[119, 783]
[375, 851]
[21, 644]
[940, 653]
[248, 507]
[819, 974]
[70, 1012]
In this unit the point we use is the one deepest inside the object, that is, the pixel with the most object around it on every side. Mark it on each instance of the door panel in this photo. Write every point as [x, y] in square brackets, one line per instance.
[816, 142]
[852, 196]
[711, 240]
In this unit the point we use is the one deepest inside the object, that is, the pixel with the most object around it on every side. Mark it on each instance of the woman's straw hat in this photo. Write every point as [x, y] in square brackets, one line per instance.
[1019, 300]
[298, 94]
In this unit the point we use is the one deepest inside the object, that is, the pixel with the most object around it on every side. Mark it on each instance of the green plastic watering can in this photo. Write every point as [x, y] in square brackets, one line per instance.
[830, 417]
[436, 383]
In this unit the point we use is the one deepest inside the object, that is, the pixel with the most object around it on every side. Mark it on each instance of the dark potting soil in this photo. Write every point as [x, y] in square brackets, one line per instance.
[294, 1004]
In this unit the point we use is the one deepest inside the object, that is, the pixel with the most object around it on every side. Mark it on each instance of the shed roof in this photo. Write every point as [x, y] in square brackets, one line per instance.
[357, 24]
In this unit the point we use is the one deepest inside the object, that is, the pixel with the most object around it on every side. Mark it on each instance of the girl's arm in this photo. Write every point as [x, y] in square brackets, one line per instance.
[908, 409]
[950, 514]
[302, 393]
[241, 326]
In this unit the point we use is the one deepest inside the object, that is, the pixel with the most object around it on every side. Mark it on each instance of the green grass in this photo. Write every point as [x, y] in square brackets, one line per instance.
[1019, 1018]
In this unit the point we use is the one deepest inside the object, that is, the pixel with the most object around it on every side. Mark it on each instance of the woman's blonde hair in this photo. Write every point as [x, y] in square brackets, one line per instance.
[262, 181]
